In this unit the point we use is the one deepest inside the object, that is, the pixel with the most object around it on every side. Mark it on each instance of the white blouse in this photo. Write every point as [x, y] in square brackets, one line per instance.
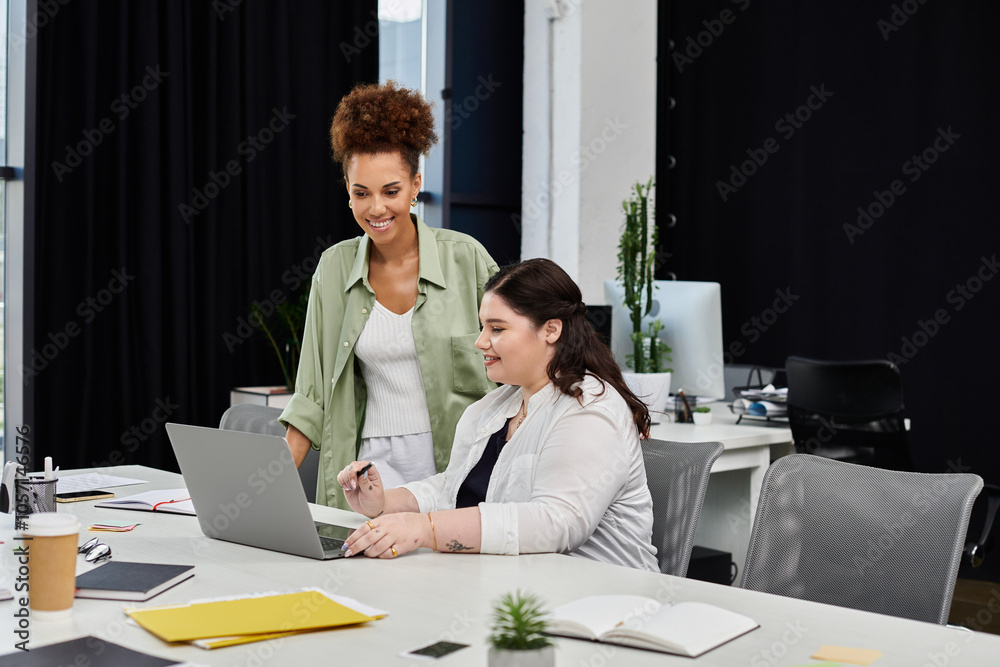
[571, 480]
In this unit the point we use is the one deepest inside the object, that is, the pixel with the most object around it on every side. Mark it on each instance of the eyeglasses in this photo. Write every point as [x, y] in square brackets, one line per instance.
[95, 551]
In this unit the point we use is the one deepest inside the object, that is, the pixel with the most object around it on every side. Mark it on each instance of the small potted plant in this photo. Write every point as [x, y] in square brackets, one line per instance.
[702, 415]
[650, 377]
[283, 325]
[518, 633]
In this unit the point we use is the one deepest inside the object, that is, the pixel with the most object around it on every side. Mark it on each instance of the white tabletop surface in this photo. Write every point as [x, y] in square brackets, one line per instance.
[723, 428]
[432, 596]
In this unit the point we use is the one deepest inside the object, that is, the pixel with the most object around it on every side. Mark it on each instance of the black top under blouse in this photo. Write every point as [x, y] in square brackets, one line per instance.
[473, 489]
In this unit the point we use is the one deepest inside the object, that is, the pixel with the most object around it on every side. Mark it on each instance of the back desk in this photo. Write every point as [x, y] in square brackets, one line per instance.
[430, 596]
[733, 489]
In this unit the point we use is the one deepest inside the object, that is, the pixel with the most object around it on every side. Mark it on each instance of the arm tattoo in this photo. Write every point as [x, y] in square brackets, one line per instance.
[455, 545]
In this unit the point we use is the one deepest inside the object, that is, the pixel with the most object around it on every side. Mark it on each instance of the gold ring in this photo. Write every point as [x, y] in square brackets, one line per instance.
[370, 525]
[394, 552]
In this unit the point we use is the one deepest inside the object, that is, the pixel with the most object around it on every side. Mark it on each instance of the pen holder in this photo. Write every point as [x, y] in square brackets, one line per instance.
[33, 495]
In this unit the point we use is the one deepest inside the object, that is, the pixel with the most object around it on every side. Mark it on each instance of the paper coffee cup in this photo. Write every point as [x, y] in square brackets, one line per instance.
[51, 563]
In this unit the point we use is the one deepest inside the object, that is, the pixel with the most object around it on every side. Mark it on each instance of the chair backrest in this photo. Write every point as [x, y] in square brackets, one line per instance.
[677, 476]
[252, 418]
[849, 410]
[867, 538]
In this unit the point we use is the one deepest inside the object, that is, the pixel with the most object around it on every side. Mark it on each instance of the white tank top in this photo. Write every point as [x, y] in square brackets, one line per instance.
[387, 353]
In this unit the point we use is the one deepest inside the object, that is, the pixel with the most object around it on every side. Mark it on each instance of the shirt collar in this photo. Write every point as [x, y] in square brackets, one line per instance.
[513, 404]
[430, 261]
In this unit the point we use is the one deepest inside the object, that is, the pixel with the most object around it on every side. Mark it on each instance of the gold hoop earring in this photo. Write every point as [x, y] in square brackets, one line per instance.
[413, 202]
[350, 204]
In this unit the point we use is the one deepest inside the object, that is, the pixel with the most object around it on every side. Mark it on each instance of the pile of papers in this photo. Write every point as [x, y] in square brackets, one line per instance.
[765, 402]
[221, 622]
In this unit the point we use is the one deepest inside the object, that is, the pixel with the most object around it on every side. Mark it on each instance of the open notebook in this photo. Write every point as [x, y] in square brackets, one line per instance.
[684, 628]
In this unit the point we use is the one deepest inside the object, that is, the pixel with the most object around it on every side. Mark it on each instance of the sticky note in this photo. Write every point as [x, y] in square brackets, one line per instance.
[855, 656]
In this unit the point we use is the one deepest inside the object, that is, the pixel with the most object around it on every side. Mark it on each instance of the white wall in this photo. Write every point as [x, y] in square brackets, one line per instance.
[589, 129]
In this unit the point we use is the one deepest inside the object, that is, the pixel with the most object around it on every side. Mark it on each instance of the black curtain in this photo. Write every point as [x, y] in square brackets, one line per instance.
[790, 118]
[485, 124]
[183, 175]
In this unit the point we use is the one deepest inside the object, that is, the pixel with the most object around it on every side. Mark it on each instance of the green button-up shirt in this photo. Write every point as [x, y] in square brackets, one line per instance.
[330, 395]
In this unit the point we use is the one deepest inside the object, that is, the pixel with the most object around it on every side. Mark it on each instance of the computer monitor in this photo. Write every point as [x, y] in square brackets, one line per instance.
[691, 313]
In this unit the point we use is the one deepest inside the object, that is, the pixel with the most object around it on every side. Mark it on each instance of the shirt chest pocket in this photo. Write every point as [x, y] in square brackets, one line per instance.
[519, 479]
[467, 366]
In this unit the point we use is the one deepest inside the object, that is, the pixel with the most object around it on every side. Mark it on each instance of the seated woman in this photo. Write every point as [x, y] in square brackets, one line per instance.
[549, 462]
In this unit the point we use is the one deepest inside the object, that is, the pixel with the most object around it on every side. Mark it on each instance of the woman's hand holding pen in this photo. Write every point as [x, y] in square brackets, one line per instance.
[363, 488]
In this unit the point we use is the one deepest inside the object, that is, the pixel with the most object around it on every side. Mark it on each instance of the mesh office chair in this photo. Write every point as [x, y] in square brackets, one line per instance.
[251, 418]
[855, 536]
[677, 476]
[848, 410]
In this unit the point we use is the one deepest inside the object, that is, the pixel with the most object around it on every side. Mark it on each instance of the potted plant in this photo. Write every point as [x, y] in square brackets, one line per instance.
[518, 633]
[283, 325]
[285, 335]
[702, 415]
[650, 377]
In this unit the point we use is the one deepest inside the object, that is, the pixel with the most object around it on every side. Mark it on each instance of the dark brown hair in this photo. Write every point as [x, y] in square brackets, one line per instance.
[540, 290]
[374, 119]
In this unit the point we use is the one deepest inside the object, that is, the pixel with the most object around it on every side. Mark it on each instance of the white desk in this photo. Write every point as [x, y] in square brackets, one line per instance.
[431, 596]
[731, 499]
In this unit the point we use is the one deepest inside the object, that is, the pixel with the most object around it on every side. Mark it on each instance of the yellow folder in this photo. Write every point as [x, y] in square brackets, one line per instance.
[239, 620]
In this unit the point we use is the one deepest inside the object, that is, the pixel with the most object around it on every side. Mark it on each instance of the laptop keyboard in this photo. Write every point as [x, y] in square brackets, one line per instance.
[330, 543]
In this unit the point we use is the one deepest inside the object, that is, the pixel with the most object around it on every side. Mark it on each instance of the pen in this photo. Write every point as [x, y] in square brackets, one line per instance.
[365, 469]
[48, 467]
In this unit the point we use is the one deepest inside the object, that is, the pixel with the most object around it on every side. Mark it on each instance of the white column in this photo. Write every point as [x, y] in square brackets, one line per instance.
[589, 129]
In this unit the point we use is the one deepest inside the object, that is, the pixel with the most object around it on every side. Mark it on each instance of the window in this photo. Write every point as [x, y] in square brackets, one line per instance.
[16, 33]
[3, 205]
[412, 45]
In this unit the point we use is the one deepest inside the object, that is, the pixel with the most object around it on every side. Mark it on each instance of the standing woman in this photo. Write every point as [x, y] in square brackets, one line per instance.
[388, 360]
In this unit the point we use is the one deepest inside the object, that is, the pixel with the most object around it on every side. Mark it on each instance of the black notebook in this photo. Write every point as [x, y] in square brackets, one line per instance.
[82, 651]
[134, 582]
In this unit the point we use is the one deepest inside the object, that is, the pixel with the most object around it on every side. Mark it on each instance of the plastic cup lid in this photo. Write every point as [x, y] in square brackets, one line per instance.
[51, 524]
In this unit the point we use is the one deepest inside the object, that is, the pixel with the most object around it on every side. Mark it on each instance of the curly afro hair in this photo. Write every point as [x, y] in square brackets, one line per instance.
[374, 119]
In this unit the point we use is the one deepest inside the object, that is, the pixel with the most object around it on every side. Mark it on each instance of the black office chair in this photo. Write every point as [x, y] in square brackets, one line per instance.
[252, 418]
[848, 410]
[977, 548]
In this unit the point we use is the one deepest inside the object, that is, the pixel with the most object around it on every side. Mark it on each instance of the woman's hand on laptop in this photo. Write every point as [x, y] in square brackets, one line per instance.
[390, 535]
[364, 491]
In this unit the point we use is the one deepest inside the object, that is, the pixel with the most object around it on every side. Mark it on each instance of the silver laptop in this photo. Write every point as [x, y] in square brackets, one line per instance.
[246, 489]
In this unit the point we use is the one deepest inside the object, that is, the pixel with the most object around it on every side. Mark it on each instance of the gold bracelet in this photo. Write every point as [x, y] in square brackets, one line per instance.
[433, 531]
